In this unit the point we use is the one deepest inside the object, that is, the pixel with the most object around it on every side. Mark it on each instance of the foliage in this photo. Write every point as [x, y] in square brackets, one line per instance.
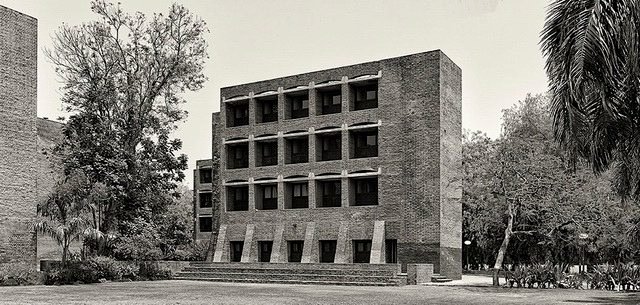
[605, 277]
[140, 243]
[592, 49]
[18, 274]
[536, 276]
[524, 201]
[97, 269]
[123, 79]
[64, 216]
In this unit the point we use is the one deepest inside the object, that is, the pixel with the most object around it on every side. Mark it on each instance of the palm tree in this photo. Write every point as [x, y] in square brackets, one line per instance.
[592, 50]
[65, 216]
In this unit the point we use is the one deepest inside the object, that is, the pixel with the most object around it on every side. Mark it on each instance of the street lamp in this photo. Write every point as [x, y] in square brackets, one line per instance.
[583, 237]
[467, 243]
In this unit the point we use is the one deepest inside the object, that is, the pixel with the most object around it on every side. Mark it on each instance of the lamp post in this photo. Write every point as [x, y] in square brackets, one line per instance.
[467, 243]
[582, 237]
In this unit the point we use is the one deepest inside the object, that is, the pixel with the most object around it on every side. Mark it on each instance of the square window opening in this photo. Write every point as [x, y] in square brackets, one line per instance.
[297, 105]
[205, 224]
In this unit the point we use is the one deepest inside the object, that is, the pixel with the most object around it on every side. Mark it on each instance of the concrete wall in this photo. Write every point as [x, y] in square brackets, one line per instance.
[18, 90]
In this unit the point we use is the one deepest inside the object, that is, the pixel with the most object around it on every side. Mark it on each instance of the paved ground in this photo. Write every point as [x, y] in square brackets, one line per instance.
[191, 292]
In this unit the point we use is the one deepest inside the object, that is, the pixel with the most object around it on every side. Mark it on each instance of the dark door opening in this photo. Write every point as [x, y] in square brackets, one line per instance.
[295, 251]
[327, 251]
[236, 250]
[391, 251]
[265, 247]
[361, 251]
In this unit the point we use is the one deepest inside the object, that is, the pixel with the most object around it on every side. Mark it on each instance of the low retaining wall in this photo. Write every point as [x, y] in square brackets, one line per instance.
[419, 273]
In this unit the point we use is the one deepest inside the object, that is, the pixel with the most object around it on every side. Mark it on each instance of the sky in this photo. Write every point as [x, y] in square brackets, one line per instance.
[495, 42]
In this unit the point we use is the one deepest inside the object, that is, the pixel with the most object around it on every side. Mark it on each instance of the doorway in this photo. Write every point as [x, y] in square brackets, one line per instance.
[327, 251]
[361, 251]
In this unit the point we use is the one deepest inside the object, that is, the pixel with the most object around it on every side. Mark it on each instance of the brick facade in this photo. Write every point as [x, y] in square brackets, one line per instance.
[417, 166]
[18, 90]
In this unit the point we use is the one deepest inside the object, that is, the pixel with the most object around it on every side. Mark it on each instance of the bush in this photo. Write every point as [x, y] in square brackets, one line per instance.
[19, 274]
[151, 271]
[97, 269]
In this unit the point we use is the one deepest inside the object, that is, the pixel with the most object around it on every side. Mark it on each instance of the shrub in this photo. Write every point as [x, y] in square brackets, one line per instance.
[151, 271]
[12, 274]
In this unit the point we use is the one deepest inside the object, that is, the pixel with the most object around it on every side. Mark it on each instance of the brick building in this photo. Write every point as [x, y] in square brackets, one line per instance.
[357, 164]
[18, 90]
[203, 199]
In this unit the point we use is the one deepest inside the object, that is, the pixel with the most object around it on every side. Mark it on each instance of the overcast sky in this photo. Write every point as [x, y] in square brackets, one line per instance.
[494, 42]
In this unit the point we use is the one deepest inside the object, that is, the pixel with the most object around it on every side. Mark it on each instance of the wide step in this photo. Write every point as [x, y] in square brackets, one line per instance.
[307, 274]
[290, 282]
[437, 278]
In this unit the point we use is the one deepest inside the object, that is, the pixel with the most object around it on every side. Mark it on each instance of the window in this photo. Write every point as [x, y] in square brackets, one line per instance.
[297, 105]
[298, 150]
[267, 197]
[267, 153]
[300, 190]
[366, 191]
[237, 114]
[299, 195]
[267, 109]
[206, 200]
[361, 251]
[205, 224]
[330, 147]
[264, 254]
[238, 198]
[329, 100]
[365, 96]
[365, 144]
[238, 156]
[235, 248]
[295, 248]
[330, 193]
[205, 175]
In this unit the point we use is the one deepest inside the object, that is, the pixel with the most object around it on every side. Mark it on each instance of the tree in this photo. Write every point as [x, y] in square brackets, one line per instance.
[592, 49]
[521, 197]
[123, 79]
[65, 215]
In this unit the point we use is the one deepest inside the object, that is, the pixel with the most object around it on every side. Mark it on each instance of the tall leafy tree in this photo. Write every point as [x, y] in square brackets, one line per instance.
[521, 200]
[592, 49]
[124, 76]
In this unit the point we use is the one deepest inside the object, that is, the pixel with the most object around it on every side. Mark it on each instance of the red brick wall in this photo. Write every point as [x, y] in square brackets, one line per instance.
[18, 90]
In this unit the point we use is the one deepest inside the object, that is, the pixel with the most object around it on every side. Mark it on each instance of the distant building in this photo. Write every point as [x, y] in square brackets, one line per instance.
[18, 172]
[203, 199]
[357, 164]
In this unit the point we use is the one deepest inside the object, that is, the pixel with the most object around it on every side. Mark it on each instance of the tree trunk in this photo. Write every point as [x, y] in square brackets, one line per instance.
[65, 252]
[505, 244]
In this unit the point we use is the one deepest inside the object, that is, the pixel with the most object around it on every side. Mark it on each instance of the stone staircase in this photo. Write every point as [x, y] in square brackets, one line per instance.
[295, 273]
[437, 278]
